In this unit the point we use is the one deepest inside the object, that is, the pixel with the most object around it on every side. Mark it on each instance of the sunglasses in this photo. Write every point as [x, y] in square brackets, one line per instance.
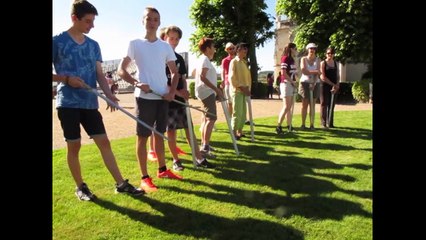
[231, 48]
[313, 48]
[330, 53]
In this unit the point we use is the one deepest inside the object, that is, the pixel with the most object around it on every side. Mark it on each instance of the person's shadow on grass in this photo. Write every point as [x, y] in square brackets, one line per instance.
[191, 223]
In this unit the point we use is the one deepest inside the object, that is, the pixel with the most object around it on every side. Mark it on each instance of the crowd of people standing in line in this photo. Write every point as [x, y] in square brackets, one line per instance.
[161, 92]
[319, 79]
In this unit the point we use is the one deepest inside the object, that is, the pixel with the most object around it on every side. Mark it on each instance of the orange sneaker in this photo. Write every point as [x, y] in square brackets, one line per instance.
[147, 185]
[168, 174]
[152, 156]
[180, 151]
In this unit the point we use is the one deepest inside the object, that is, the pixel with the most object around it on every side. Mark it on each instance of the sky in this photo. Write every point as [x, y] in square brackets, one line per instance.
[118, 22]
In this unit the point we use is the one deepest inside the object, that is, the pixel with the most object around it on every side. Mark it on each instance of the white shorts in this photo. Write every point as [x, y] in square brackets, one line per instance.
[227, 93]
[286, 89]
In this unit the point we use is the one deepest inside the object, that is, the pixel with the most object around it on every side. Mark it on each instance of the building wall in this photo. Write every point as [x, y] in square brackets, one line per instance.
[352, 72]
[284, 33]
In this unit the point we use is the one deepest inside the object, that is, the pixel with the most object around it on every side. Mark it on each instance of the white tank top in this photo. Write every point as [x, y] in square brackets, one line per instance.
[311, 77]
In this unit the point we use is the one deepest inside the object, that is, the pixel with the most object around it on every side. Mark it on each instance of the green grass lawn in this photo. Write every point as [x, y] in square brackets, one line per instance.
[304, 185]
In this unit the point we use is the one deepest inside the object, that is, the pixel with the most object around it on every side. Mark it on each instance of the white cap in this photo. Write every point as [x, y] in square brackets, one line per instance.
[228, 45]
[311, 45]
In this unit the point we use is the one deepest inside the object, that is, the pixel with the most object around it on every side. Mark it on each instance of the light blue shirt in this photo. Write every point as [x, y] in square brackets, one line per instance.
[72, 59]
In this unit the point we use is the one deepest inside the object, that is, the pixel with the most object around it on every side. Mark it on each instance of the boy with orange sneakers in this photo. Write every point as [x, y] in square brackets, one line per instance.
[150, 55]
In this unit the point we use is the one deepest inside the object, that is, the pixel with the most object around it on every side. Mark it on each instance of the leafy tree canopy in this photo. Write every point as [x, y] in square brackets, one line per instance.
[345, 25]
[231, 21]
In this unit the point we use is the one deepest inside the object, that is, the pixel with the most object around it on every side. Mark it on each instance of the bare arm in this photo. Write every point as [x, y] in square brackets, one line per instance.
[123, 73]
[72, 81]
[57, 78]
[184, 91]
[303, 66]
[305, 70]
[174, 81]
[222, 84]
[103, 84]
[126, 76]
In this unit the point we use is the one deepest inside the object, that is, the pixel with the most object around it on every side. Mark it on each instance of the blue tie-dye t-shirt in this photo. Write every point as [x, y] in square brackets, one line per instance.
[73, 59]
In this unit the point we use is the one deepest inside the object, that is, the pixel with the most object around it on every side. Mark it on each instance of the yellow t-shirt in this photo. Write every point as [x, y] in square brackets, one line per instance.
[239, 74]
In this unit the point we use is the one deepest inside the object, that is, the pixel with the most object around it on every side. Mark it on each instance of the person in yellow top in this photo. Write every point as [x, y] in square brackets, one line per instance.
[240, 80]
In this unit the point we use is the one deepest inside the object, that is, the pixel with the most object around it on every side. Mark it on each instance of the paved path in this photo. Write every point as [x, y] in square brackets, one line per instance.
[119, 125]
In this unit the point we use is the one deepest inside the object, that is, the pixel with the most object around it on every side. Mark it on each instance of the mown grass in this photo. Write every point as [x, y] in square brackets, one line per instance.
[305, 185]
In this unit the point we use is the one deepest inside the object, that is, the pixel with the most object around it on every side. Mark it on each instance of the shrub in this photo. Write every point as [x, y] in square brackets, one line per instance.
[218, 83]
[192, 90]
[360, 90]
[345, 93]
[259, 90]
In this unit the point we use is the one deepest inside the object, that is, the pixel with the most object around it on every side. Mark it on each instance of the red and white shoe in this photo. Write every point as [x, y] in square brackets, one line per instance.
[152, 156]
[147, 185]
[180, 151]
[168, 174]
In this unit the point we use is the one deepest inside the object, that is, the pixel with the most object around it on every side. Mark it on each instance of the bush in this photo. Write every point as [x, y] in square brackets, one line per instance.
[218, 83]
[259, 90]
[360, 90]
[192, 90]
[345, 93]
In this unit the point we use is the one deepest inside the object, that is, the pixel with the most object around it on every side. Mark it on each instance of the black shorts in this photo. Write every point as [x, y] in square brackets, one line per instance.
[153, 113]
[71, 118]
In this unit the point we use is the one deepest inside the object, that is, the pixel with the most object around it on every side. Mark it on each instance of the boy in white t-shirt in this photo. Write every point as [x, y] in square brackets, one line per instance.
[151, 55]
[206, 90]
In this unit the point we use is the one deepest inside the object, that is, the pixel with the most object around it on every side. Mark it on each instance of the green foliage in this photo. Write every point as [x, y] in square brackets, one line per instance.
[345, 25]
[192, 90]
[218, 83]
[360, 90]
[231, 21]
[345, 93]
[259, 90]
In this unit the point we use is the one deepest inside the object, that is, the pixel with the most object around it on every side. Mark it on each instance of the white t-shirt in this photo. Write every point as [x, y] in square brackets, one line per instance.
[201, 90]
[151, 59]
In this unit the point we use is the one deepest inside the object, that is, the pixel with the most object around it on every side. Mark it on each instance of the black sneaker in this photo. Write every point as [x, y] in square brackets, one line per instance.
[126, 187]
[204, 164]
[279, 129]
[84, 194]
[177, 166]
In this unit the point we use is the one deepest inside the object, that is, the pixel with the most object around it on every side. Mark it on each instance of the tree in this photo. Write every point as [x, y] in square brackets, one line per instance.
[231, 21]
[345, 25]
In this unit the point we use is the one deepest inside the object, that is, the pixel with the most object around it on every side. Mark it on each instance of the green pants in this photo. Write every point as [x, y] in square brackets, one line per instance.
[239, 112]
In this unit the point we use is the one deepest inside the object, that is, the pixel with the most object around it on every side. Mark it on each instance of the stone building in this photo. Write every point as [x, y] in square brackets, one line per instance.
[284, 33]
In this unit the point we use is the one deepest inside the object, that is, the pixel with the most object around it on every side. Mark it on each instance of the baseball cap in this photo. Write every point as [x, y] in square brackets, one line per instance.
[228, 45]
[311, 45]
